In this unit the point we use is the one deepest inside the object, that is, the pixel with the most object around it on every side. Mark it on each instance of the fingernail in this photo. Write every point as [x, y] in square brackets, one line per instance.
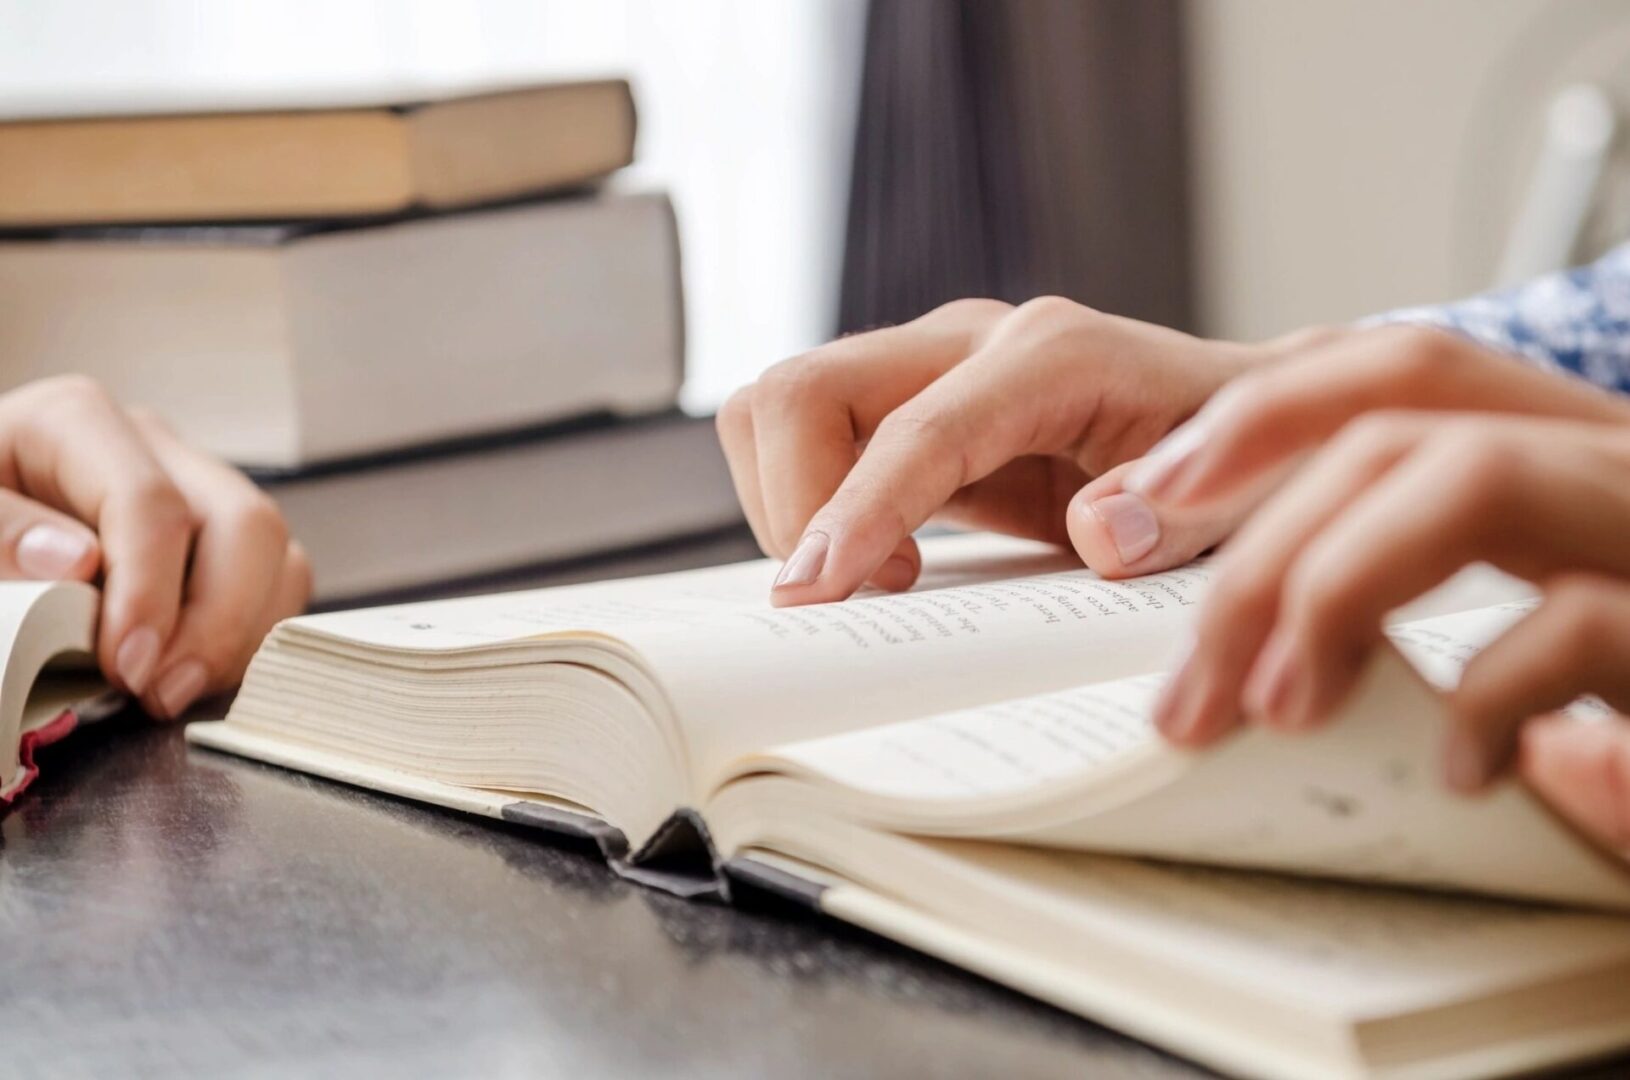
[181, 686]
[1463, 766]
[49, 552]
[1154, 473]
[896, 574]
[136, 656]
[1132, 526]
[1269, 688]
[807, 560]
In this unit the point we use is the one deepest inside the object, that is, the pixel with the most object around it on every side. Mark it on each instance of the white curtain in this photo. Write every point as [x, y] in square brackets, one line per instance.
[746, 112]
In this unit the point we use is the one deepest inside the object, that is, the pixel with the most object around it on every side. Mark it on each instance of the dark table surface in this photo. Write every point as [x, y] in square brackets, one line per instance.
[165, 910]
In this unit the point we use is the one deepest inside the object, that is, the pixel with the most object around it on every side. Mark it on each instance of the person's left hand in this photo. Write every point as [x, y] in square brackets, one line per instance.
[195, 564]
[1393, 505]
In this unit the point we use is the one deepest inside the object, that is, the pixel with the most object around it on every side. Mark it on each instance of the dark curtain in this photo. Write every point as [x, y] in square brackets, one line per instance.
[1017, 148]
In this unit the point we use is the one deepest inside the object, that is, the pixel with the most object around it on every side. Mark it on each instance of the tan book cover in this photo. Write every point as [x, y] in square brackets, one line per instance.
[308, 163]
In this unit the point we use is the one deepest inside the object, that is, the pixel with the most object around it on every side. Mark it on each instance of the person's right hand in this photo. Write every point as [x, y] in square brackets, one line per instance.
[1027, 420]
[195, 563]
[979, 413]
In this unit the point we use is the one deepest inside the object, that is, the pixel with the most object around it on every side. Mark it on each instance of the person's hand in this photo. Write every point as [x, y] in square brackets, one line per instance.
[1207, 476]
[1393, 505]
[978, 413]
[195, 563]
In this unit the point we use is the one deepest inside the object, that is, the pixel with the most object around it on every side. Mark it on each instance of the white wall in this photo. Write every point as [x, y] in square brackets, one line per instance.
[1356, 155]
[746, 112]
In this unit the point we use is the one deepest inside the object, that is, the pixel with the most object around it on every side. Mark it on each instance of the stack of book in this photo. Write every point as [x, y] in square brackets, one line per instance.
[425, 327]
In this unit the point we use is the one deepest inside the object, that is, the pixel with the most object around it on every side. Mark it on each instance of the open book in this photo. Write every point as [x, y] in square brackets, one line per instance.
[968, 769]
[48, 680]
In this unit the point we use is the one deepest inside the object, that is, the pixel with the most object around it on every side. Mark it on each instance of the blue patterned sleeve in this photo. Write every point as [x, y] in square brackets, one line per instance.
[1575, 320]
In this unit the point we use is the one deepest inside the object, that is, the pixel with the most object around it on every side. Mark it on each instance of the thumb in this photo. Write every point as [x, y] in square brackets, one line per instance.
[42, 544]
[1119, 534]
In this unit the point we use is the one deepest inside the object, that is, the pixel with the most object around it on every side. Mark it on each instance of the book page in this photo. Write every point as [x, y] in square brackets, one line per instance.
[1441, 648]
[1011, 747]
[770, 677]
[1328, 947]
[993, 619]
[739, 675]
[760, 678]
[1005, 749]
[1166, 951]
[680, 599]
[39, 620]
[1361, 798]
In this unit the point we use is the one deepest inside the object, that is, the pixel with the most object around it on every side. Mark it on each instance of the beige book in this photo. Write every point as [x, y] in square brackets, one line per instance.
[48, 680]
[284, 346]
[312, 162]
[969, 768]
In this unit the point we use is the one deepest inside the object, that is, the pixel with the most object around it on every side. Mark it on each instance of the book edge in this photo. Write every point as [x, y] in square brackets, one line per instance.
[1098, 998]
[677, 859]
[91, 711]
[746, 871]
[397, 111]
[349, 99]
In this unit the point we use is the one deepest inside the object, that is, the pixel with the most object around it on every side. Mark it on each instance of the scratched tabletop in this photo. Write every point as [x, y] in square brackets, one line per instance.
[168, 911]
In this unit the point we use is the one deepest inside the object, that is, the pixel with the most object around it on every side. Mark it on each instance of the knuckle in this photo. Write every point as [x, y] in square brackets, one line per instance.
[1418, 357]
[864, 511]
[1049, 310]
[1247, 401]
[735, 416]
[801, 376]
[1318, 594]
[1580, 614]
[72, 391]
[147, 420]
[255, 513]
[1239, 591]
[929, 429]
[1380, 431]
[1478, 463]
[969, 310]
[160, 504]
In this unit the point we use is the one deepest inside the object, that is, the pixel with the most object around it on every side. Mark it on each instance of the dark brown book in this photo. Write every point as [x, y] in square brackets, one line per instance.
[430, 518]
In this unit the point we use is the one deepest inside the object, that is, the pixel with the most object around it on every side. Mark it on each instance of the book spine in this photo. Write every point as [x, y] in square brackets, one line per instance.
[677, 256]
[680, 859]
[610, 841]
[744, 873]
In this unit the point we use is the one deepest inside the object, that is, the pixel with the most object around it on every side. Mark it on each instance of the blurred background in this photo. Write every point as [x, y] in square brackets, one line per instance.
[1232, 167]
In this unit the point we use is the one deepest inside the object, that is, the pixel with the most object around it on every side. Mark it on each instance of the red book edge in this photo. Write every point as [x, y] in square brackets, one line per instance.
[44, 735]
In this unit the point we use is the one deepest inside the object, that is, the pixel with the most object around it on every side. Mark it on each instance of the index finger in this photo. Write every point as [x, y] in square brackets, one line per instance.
[1264, 419]
[810, 413]
[958, 430]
